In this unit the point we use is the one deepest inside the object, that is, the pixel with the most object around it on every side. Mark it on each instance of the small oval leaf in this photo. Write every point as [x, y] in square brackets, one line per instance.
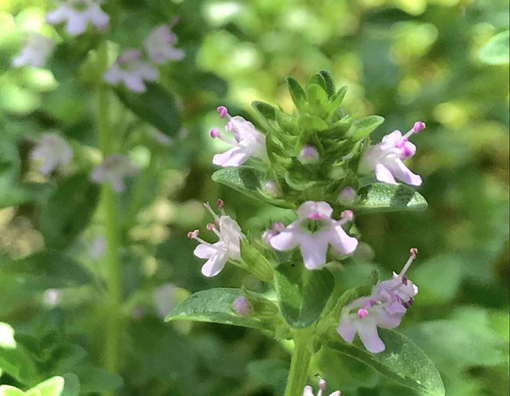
[496, 51]
[302, 294]
[402, 361]
[250, 182]
[381, 197]
[297, 93]
[366, 126]
[216, 306]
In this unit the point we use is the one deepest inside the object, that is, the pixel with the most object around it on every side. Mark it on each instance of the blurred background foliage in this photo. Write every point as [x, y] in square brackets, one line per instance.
[402, 59]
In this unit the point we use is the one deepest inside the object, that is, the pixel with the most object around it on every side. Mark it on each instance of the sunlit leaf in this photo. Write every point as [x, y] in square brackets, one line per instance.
[381, 197]
[496, 51]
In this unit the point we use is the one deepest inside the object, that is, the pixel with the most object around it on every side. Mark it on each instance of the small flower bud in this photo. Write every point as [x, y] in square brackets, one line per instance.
[222, 110]
[214, 133]
[347, 196]
[271, 187]
[242, 306]
[308, 155]
[418, 126]
[322, 384]
[348, 215]
[193, 234]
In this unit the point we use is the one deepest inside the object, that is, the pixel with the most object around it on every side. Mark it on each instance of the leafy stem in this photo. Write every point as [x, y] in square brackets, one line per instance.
[300, 362]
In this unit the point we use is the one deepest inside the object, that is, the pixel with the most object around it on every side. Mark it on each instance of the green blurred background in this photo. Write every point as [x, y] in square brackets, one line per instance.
[402, 59]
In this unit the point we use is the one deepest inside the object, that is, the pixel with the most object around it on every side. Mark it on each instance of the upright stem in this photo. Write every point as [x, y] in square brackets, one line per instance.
[300, 362]
[109, 207]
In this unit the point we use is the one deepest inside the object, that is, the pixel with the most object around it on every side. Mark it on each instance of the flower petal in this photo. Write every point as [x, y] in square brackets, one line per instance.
[285, 240]
[215, 264]
[346, 328]
[367, 331]
[314, 249]
[383, 174]
[342, 243]
[233, 157]
[204, 251]
[402, 172]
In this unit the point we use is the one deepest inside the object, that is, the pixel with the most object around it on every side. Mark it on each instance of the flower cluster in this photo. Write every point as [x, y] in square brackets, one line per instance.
[36, 50]
[134, 66]
[51, 152]
[113, 170]
[384, 308]
[77, 14]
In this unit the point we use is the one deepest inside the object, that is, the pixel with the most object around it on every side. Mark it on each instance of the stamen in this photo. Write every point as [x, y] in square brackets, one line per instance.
[413, 253]
[208, 207]
[417, 127]
[223, 111]
[362, 313]
[193, 234]
[214, 133]
[215, 230]
[210, 226]
[220, 204]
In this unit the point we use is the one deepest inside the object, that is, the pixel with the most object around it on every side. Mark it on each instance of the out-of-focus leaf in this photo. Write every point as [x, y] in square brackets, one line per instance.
[45, 270]
[7, 390]
[402, 361]
[497, 50]
[366, 126]
[302, 294]
[330, 82]
[380, 197]
[71, 385]
[14, 361]
[94, 380]
[51, 387]
[68, 210]
[248, 181]
[215, 306]
[156, 106]
[270, 373]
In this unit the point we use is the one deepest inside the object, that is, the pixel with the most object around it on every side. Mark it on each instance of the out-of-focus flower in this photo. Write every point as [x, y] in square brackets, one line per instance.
[78, 14]
[228, 245]
[52, 152]
[36, 50]
[160, 45]
[308, 391]
[384, 308]
[386, 158]
[242, 306]
[347, 196]
[272, 189]
[314, 231]
[131, 70]
[248, 142]
[51, 297]
[164, 299]
[113, 170]
[97, 248]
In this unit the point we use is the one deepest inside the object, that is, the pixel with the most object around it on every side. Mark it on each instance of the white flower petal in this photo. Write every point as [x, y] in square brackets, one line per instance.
[383, 174]
[367, 331]
[214, 265]
[402, 172]
[342, 243]
[76, 23]
[204, 252]
[346, 328]
[285, 240]
[313, 249]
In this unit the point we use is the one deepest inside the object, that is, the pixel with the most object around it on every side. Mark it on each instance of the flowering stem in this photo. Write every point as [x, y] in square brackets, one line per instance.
[300, 362]
[109, 207]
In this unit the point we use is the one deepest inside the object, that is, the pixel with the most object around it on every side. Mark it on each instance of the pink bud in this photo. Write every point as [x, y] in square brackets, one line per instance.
[347, 215]
[271, 188]
[222, 110]
[214, 133]
[362, 313]
[220, 204]
[242, 306]
[347, 196]
[308, 155]
[413, 252]
[418, 126]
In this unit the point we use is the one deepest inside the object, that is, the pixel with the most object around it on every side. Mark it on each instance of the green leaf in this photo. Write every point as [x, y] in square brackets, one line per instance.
[330, 83]
[248, 181]
[266, 113]
[336, 101]
[156, 106]
[95, 380]
[496, 50]
[257, 263]
[381, 197]
[6, 390]
[68, 210]
[366, 126]
[310, 123]
[44, 270]
[51, 387]
[14, 361]
[215, 306]
[297, 93]
[71, 385]
[402, 361]
[317, 99]
[302, 294]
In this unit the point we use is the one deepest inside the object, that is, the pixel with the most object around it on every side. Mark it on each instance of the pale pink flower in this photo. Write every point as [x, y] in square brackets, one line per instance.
[36, 50]
[347, 196]
[113, 170]
[314, 231]
[51, 152]
[242, 306]
[247, 142]
[308, 391]
[228, 246]
[160, 45]
[308, 155]
[384, 308]
[386, 158]
[78, 14]
[164, 298]
[131, 70]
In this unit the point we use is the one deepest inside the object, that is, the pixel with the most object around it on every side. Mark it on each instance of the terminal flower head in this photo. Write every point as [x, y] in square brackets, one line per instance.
[314, 231]
[51, 152]
[131, 70]
[36, 50]
[113, 170]
[77, 14]
[386, 158]
[160, 44]
[228, 246]
[308, 391]
[384, 308]
[247, 142]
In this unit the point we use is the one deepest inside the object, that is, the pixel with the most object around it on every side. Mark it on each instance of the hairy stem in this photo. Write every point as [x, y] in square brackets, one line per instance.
[108, 205]
[300, 362]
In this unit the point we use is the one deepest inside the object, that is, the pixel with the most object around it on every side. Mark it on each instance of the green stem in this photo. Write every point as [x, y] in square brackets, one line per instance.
[109, 207]
[300, 362]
